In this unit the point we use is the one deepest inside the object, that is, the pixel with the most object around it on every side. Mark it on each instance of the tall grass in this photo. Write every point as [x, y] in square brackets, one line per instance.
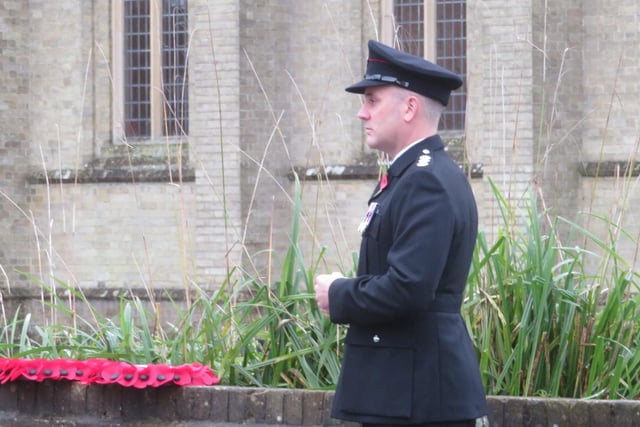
[542, 321]
[543, 324]
[251, 332]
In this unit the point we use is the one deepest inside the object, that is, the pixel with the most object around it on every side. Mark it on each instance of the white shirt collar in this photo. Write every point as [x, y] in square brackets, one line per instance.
[404, 150]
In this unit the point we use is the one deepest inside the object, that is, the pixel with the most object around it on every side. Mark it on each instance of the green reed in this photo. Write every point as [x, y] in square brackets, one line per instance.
[544, 324]
[250, 332]
[541, 322]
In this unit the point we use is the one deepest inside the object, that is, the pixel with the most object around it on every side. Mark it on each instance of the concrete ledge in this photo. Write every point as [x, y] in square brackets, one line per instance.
[351, 172]
[609, 169]
[67, 403]
[121, 169]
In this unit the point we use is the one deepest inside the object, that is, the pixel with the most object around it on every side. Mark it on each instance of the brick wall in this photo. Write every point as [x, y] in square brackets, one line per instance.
[612, 199]
[214, 139]
[550, 87]
[14, 136]
[67, 403]
[128, 231]
[499, 125]
[297, 57]
[558, 102]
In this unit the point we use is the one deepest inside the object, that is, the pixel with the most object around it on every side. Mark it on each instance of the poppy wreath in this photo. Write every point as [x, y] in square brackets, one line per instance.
[104, 371]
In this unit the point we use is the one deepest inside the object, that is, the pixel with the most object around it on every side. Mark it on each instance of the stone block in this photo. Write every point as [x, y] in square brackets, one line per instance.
[293, 408]
[513, 414]
[255, 410]
[327, 420]
[139, 403]
[580, 413]
[45, 395]
[219, 404]
[194, 403]
[8, 397]
[558, 412]
[274, 408]
[167, 398]
[237, 406]
[94, 402]
[27, 396]
[112, 401]
[496, 411]
[312, 408]
[606, 413]
[62, 399]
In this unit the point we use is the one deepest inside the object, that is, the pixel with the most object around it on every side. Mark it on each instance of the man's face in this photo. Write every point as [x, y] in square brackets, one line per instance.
[382, 117]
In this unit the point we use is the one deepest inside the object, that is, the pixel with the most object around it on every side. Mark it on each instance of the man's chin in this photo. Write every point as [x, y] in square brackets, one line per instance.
[372, 144]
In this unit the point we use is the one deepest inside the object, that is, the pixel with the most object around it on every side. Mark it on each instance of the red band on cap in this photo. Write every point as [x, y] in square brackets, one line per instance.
[378, 60]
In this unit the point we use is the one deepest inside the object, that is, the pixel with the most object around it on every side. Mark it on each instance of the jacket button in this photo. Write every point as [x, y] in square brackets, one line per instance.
[376, 338]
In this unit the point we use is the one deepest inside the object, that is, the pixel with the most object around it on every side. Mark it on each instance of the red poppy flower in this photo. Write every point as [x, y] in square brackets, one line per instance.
[162, 374]
[145, 376]
[50, 369]
[103, 371]
[128, 374]
[7, 366]
[383, 182]
[202, 375]
[75, 370]
[87, 371]
[29, 369]
[110, 372]
[182, 375]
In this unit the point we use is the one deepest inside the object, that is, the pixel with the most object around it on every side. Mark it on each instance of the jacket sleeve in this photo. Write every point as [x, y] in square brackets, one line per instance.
[422, 225]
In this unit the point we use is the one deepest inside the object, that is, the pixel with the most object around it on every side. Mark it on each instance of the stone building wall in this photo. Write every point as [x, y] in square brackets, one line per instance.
[15, 137]
[139, 215]
[499, 126]
[551, 92]
[297, 57]
[611, 122]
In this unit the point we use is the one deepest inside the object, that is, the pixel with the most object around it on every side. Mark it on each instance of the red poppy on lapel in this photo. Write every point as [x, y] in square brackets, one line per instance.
[383, 182]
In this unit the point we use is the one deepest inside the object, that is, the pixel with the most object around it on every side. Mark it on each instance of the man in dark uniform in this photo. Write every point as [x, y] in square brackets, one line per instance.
[408, 356]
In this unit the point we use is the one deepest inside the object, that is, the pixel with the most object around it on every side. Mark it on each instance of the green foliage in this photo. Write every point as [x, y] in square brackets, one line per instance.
[542, 324]
[249, 332]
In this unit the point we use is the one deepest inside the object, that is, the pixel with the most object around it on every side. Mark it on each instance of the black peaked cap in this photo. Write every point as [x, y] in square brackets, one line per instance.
[387, 65]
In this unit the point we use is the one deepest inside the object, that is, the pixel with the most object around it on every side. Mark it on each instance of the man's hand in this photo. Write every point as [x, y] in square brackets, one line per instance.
[321, 285]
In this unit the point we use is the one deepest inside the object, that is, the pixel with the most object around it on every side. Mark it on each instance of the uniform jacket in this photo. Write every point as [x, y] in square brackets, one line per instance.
[408, 356]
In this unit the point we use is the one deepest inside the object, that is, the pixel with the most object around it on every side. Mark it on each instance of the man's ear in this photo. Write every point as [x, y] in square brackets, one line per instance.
[412, 105]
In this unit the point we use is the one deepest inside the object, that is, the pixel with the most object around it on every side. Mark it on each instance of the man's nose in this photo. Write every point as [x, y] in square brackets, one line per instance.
[363, 114]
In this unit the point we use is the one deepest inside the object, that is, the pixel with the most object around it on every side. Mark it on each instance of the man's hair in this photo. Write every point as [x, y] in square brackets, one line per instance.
[431, 109]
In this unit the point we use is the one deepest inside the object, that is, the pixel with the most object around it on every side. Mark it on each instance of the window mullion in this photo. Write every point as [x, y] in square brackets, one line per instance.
[430, 30]
[157, 94]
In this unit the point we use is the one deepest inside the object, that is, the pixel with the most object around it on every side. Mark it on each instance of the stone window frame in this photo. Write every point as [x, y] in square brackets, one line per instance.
[158, 110]
[454, 117]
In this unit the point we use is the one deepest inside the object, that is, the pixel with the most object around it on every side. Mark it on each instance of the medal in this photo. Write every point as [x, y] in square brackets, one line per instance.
[367, 218]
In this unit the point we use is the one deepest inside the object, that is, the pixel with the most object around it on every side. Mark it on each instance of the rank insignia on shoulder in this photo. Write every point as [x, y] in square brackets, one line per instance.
[424, 159]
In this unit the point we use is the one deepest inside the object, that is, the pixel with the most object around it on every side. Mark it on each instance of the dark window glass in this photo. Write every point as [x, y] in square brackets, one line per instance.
[175, 43]
[138, 68]
[451, 53]
[450, 46]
